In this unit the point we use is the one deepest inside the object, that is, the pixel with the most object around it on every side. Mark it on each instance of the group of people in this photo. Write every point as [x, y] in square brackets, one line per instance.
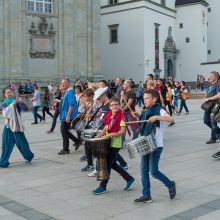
[113, 116]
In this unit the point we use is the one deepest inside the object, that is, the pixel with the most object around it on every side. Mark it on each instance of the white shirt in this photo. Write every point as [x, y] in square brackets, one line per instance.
[160, 131]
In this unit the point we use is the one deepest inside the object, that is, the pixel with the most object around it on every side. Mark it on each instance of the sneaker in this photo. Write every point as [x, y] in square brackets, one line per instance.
[62, 152]
[77, 145]
[93, 173]
[186, 113]
[172, 191]
[129, 185]
[49, 132]
[143, 199]
[211, 141]
[34, 123]
[87, 168]
[83, 158]
[100, 190]
[216, 155]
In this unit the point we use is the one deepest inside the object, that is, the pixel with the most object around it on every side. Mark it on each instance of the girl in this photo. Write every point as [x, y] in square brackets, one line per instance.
[183, 97]
[13, 132]
[114, 122]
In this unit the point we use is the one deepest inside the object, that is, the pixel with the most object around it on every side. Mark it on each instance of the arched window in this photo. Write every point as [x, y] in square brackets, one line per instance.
[40, 6]
[163, 2]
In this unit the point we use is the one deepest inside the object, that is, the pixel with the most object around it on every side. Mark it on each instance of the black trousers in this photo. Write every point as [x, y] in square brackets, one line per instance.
[47, 110]
[112, 164]
[66, 135]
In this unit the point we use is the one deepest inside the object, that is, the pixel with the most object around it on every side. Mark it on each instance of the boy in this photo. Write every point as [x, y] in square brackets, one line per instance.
[156, 116]
[114, 122]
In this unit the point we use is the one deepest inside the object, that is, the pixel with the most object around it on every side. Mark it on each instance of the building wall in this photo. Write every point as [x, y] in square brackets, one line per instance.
[213, 30]
[77, 26]
[134, 55]
[191, 54]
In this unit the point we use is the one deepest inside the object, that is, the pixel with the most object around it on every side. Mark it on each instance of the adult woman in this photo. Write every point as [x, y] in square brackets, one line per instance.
[46, 104]
[13, 132]
[183, 97]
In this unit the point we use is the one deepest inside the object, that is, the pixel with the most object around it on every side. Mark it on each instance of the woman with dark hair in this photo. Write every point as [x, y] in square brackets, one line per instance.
[46, 104]
[183, 97]
[13, 132]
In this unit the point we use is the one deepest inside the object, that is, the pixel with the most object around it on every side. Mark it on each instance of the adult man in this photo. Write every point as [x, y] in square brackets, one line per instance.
[28, 87]
[68, 111]
[119, 87]
[36, 99]
[212, 95]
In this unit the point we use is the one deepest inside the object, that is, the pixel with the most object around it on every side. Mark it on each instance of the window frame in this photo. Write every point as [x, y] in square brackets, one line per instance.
[44, 3]
[112, 2]
[113, 27]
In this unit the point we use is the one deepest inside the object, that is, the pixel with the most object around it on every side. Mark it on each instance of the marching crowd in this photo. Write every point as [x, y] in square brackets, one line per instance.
[99, 115]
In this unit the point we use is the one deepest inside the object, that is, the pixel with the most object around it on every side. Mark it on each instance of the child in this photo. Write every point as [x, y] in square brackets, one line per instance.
[114, 122]
[156, 116]
[13, 132]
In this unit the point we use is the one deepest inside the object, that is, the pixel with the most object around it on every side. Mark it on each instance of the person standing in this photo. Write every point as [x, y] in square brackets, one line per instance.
[213, 94]
[150, 162]
[119, 87]
[68, 111]
[36, 100]
[46, 104]
[13, 132]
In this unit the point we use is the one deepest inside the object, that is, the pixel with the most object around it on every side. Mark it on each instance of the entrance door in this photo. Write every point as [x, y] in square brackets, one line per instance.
[170, 68]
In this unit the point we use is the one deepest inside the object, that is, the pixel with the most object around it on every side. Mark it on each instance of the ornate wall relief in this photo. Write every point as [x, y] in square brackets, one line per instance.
[42, 40]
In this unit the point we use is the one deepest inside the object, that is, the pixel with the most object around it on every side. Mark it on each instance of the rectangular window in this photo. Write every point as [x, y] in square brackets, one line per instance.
[40, 6]
[163, 2]
[209, 51]
[112, 2]
[113, 33]
[181, 25]
[187, 40]
[209, 9]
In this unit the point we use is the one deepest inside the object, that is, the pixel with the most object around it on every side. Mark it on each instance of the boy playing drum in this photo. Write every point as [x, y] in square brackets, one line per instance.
[149, 162]
[114, 122]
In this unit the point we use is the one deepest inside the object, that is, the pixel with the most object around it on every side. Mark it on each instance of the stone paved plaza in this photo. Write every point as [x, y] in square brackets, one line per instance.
[52, 186]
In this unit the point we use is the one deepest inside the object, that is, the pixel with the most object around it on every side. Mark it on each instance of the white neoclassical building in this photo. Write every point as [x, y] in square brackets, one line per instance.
[163, 37]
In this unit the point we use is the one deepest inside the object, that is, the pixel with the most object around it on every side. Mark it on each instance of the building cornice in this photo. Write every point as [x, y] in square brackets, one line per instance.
[135, 1]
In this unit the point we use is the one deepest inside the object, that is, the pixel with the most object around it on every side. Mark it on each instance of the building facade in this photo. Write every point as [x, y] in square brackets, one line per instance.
[44, 40]
[165, 37]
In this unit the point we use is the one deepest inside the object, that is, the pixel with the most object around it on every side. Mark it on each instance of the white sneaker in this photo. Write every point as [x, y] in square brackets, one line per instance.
[93, 174]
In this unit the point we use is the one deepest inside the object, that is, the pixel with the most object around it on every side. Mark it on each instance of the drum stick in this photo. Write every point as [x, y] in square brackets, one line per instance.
[133, 122]
[128, 105]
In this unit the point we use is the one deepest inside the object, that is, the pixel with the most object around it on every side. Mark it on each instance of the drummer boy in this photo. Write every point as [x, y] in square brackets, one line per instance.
[115, 127]
[149, 162]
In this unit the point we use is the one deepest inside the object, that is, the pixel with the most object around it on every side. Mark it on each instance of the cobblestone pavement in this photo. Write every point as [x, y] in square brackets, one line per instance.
[52, 186]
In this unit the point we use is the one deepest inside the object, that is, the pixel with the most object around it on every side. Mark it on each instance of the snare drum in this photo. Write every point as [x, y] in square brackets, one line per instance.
[89, 133]
[141, 146]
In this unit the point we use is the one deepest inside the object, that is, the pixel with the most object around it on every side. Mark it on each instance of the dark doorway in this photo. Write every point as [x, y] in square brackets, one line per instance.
[170, 68]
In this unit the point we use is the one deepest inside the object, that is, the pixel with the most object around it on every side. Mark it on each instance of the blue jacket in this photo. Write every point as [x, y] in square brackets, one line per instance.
[68, 99]
[148, 128]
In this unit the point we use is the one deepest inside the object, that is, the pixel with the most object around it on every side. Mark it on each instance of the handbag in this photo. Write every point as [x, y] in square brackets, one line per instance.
[206, 106]
[185, 96]
[217, 117]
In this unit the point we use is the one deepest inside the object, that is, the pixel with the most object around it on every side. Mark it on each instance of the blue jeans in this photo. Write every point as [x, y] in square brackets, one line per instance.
[211, 124]
[183, 105]
[150, 163]
[36, 115]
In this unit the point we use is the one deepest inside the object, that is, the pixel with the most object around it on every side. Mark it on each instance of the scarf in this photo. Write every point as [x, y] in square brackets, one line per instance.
[8, 101]
[148, 128]
[113, 121]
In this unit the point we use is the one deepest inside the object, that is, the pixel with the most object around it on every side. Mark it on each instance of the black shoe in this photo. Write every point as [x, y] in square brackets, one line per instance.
[41, 120]
[34, 123]
[216, 155]
[77, 145]
[211, 141]
[143, 199]
[172, 191]
[62, 152]
[87, 168]
[171, 124]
